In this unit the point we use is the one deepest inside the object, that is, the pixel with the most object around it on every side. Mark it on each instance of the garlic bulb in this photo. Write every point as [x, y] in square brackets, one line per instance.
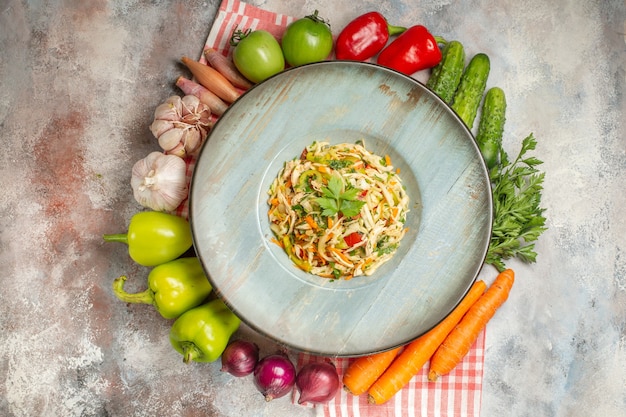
[181, 125]
[159, 181]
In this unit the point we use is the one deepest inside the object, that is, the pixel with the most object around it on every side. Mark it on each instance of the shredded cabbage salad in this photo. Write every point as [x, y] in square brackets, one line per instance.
[338, 211]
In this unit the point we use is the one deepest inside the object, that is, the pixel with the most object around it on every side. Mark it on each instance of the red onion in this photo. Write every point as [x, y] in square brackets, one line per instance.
[317, 382]
[274, 376]
[240, 357]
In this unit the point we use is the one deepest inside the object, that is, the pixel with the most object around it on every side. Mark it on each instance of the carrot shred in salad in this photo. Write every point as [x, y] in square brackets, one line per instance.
[338, 211]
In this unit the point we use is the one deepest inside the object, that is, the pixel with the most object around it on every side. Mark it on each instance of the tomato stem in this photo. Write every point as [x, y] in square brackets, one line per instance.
[317, 19]
[239, 35]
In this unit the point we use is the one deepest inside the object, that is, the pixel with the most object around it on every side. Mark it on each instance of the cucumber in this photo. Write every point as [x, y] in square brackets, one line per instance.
[491, 126]
[446, 76]
[470, 91]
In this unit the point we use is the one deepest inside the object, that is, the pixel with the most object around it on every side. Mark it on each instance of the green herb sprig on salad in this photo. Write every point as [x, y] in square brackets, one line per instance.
[337, 201]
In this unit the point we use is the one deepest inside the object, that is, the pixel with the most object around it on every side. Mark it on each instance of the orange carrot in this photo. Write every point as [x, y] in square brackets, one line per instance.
[362, 373]
[312, 223]
[189, 87]
[418, 352]
[460, 340]
[212, 80]
[227, 68]
[340, 254]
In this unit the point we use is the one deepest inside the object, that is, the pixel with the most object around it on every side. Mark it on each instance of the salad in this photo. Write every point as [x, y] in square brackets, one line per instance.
[338, 211]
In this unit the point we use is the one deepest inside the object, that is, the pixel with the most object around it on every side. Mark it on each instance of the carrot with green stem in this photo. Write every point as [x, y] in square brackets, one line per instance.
[418, 352]
[364, 371]
[461, 338]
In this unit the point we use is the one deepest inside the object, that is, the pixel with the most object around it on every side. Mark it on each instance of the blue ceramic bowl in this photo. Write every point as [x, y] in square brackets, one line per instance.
[449, 223]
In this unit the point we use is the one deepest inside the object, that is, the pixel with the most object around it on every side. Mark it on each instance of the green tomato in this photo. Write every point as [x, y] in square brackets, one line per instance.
[257, 55]
[307, 40]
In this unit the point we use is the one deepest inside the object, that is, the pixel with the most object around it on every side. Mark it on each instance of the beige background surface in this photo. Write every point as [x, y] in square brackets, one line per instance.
[78, 84]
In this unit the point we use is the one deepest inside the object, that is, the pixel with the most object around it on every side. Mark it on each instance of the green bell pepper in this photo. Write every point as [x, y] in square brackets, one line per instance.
[202, 333]
[154, 237]
[173, 287]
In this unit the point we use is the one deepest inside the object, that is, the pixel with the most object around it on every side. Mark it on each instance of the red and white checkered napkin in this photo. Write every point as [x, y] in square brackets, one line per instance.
[234, 14]
[457, 394]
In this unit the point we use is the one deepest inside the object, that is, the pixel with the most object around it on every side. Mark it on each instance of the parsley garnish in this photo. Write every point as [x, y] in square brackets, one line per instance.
[338, 164]
[335, 201]
[382, 246]
[336, 273]
[518, 216]
[299, 209]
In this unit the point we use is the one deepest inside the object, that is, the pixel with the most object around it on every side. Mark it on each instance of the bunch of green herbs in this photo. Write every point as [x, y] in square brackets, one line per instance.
[518, 216]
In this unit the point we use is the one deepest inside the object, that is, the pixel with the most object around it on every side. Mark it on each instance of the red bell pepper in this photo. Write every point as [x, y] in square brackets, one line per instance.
[364, 37]
[414, 50]
[353, 238]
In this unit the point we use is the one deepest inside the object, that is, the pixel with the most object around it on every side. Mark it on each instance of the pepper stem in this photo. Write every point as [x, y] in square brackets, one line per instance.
[395, 30]
[190, 351]
[144, 297]
[117, 237]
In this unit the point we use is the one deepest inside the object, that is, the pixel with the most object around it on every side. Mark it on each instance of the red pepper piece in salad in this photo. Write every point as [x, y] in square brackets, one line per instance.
[364, 37]
[414, 50]
[353, 239]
